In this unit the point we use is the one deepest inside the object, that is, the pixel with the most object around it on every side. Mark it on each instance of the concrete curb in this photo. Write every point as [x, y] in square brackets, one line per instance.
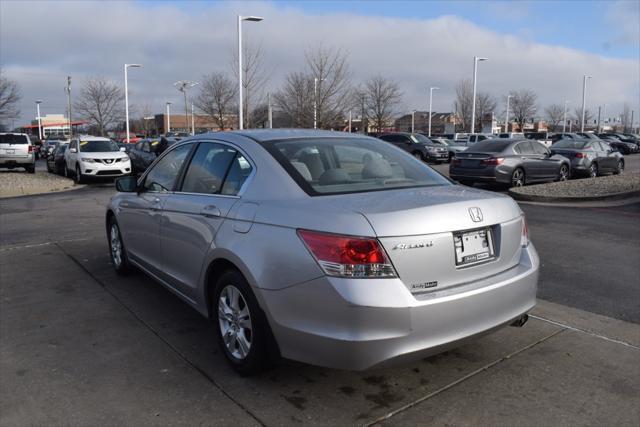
[64, 190]
[551, 199]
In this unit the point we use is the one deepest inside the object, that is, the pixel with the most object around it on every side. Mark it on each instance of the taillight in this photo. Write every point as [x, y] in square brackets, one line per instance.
[580, 155]
[348, 256]
[455, 161]
[525, 233]
[492, 161]
[31, 149]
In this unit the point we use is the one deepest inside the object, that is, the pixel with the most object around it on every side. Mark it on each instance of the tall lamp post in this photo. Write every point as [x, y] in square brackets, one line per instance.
[584, 99]
[564, 120]
[182, 86]
[413, 116]
[506, 118]
[431, 89]
[476, 59]
[168, 129]
[240, 105]
[315, 101]
[126, 94]
[38, 102]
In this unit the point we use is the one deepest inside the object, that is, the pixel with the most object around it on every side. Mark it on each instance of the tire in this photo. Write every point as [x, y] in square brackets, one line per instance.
[78, 176]
[620, 168]
[593, 170]
[518, 178]
[240, 325]
[117, 251]
[66, 171]
[564, 173]
[49, 168]
[30, 169]
[418, 155]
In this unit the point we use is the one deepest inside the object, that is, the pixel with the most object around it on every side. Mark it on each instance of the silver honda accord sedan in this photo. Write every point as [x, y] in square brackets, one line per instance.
[328, 248]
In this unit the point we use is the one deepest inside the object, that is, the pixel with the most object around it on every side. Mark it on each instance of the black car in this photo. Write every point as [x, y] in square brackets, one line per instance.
[590, 157]
[624, 145]
[144, 152]
[55, 160]
[418, 145]
[515, 162]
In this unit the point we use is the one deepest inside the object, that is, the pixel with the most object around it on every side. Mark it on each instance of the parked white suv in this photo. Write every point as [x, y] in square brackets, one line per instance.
[89, 156]
[16, 151]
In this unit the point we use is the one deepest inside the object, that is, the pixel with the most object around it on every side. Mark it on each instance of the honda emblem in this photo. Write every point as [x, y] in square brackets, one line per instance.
[476, 214]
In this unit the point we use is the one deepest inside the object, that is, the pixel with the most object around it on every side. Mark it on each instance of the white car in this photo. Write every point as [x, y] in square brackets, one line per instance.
[16, 151]
[93, 156]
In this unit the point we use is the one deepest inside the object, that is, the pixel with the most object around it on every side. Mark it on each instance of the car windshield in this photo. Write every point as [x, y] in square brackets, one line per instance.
[491, 146]
[571, 143]
[13, 139]
[337, 165]
[420, 139]
[98, 146]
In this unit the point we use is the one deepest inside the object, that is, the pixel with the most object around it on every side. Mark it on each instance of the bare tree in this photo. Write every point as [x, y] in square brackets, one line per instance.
[254, 77]
[577, 116]
[329, 68]
[464, 101]
[485, 104]
[217, 98]
[101, 103]
[9, 98]
[295, 100]
[554, 114]
[382, 97]
[325, 81]
[523, 106]
[625, 118]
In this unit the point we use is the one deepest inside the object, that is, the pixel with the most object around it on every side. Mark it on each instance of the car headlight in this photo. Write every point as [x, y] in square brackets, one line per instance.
[88, 160]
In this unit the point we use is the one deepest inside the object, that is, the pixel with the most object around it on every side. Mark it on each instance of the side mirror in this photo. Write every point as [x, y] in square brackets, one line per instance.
[127, 184]
[123, 149]
[73, 150]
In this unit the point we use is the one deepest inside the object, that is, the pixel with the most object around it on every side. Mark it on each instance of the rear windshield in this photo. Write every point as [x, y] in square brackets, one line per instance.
[13, 139]
[491, 146]
[327, 166]
[98, 146]
[420, 139]
[572, 143]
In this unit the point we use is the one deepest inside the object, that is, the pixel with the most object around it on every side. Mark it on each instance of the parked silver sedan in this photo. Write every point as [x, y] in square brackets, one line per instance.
[328, 248]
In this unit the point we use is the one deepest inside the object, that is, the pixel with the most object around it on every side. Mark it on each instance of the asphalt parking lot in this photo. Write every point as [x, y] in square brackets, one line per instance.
[82, 346]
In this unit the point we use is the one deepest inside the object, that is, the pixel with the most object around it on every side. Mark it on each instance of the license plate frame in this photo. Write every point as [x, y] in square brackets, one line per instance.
[10, 151]
[473, 246]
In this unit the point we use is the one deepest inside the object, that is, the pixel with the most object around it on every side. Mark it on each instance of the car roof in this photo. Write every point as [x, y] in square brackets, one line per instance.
[265, 135]
[92, 138]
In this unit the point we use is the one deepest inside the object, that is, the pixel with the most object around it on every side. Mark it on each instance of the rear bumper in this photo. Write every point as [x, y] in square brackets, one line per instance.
[7, 161]
[358, 324]
[499, 174]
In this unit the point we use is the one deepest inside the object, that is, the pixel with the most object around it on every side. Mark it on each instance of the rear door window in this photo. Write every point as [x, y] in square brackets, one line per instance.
[538, 148]
[13, 139]
[208, 168]
[524, 148]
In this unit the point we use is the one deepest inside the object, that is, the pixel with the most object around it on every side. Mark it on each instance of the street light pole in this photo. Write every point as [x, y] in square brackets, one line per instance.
[182, 86]
[413, 114]
[584, 99]
[431, 89]
[564, 121]
[126, 95]
[349, 121]
[69, 104]
[168, 129]
[38, 102]
[475, 78]
[193, 123]
[315, 101]
[506, 119]
[240, 106]
[269, 112]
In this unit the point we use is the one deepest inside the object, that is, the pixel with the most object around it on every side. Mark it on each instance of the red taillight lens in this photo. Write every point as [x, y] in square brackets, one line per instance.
[525, 233]
[31, 149]
[492, 161]
[348, 256]
[580, 155]
[455, 161]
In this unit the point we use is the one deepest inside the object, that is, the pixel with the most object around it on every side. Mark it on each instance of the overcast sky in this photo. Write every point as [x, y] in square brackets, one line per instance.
[544, 46]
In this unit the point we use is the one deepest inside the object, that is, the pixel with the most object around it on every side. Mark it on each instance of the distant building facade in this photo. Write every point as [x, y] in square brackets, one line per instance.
[440, 122]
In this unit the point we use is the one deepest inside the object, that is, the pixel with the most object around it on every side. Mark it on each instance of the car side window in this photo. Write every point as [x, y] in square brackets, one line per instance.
[208, 168]
[523, 148]
[139, 146]
[237, 175]
[538, 148]
[162, 176]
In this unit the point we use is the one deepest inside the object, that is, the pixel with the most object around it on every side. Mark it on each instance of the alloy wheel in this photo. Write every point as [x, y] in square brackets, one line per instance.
[564, 173]
[593, 170]
[116, 246]
[620, 166]
[234, 321]
[517, 179]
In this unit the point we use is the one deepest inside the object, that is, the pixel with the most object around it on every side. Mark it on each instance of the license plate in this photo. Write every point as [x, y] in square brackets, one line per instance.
[9, 151]
[473, 247]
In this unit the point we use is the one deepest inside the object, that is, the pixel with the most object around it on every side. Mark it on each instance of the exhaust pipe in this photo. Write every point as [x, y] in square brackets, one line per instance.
[520, 321]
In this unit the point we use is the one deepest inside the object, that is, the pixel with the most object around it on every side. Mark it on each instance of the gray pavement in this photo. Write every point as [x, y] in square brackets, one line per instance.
[80, 345]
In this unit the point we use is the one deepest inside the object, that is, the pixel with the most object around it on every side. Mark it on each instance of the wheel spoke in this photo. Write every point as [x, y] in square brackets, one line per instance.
[243, 344]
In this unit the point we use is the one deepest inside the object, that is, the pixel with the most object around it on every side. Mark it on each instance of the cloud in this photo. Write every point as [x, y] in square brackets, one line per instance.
[624, 18]
[84, 38]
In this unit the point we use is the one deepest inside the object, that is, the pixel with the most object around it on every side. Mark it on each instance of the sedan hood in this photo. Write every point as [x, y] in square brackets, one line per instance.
[107, 155]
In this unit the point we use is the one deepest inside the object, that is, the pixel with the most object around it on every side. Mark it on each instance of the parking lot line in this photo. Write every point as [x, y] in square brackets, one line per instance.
[461, 380]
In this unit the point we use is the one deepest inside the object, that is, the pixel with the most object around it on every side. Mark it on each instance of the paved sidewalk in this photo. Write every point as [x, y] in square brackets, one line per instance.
[82, 346]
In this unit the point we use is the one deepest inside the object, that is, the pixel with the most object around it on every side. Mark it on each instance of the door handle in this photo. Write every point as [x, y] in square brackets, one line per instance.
[210, 211]
[155, 204]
